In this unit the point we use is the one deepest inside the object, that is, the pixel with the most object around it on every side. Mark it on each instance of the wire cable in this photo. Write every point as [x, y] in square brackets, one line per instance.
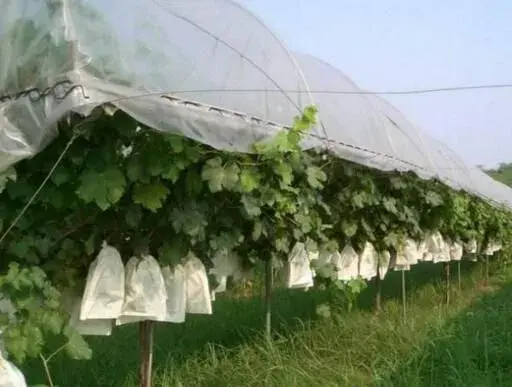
[357, 92]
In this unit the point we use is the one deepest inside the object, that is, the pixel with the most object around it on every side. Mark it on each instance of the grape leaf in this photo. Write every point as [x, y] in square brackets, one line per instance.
[104, 189]
[315, 177]
[219, 176]
[8, 175]
[249, 179]
[76, 347]
[150, 196]
[251, 206]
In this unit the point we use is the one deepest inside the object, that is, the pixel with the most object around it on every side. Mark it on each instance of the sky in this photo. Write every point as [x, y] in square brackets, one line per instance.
[402, 45]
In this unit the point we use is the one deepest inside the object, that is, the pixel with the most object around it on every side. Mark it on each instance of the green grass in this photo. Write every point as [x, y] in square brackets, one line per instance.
[468, 343]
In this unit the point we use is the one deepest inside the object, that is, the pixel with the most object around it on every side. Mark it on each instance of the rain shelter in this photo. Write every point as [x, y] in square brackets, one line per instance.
[366, 129]
[207, 69]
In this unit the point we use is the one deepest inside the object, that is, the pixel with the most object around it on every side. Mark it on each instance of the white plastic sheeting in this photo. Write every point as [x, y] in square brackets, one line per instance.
[207, 69]
[368, 130]
[211, 52]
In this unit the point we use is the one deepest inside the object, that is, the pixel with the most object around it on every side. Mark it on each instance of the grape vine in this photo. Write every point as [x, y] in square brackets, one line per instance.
[146, 191]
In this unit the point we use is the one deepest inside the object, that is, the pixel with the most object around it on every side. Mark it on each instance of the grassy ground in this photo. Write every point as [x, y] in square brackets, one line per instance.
[468, 343]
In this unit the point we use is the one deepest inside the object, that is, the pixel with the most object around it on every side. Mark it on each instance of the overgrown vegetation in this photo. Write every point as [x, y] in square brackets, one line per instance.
[465, 344]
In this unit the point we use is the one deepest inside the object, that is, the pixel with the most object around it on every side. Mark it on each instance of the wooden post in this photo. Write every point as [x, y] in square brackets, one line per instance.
[146, 353]
[448, 282]
[378, 293]
[459, 277]
[486, 270]
[404, 300]
[268, 298]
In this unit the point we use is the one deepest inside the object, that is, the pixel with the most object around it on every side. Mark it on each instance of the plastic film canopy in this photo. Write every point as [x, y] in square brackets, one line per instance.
[366, 129]
[211, 52]
[207, 69]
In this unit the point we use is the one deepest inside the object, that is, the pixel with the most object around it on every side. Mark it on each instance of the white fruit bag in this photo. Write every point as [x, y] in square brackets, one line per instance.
[221, 287]
[492, 247]
[10, 375]
[444, 254]
[435, 243]
[402, 267]
[384, 261]
[347, 263]
[176, 294]
[422, 250]
[298, 271]
[104, 289]
[472, 246]
[412, 252]
[198, 300]
[145, 291]
[225, 264]
[407, 254]
[322, 263]
[313, 256]
[368, 262]
[456, 251]
[91, 327]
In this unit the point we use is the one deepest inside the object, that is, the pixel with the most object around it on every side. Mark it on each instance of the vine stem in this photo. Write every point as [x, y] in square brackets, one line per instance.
[46, 370]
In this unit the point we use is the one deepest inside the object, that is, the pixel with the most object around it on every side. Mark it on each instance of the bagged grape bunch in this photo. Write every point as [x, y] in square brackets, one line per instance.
[298, 271]
[198, 299]
[10, 375]
[146, 293]
[104, 288]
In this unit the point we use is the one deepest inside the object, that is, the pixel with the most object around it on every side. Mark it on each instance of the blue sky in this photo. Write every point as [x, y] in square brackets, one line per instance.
[400, 44]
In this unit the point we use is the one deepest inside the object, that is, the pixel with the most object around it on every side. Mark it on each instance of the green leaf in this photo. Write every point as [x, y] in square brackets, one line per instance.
[133, 216]
[257, 230]
[76, 347]
[104, 189]
[249, 179]
[285, 171]
[61, 176]
[282, 244]
[176, 142]
[390, 205]
[135, 170]
[219, 176]
[251, 206]
[172, 172]
[323, 310]
[171, 253]
[349, 228]
[8, 175]
[150, 196]
[226, 240]
[316, 177]
[433, 199]
[90, 245]
[52, 322]
[190, 221]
